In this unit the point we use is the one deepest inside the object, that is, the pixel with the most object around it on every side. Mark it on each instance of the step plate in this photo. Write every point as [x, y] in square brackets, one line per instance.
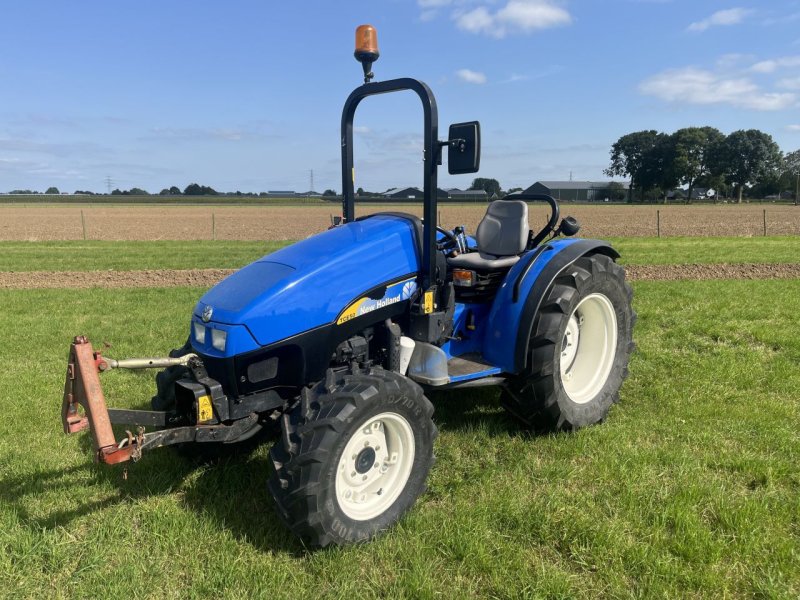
[469, 366]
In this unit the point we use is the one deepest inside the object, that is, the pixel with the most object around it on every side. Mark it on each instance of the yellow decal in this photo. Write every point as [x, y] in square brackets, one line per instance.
[428, 305]
[394, 293]
[204, 410]
[351, 312]
[354, 174]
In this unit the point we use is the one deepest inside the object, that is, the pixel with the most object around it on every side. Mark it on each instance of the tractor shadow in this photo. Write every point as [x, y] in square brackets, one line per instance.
[477, 408]
[231, 492]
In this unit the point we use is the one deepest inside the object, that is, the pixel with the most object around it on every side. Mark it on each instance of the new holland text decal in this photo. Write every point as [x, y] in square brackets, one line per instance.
[397, 292]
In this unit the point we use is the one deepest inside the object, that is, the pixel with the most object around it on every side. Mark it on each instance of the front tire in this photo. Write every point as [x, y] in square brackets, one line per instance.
[580, 345]
[354, 456]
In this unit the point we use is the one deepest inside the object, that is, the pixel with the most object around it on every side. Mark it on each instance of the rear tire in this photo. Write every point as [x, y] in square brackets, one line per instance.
[580, 345]
[354, 456]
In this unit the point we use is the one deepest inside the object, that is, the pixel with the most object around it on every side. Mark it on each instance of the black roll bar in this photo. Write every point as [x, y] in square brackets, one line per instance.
[430, 161]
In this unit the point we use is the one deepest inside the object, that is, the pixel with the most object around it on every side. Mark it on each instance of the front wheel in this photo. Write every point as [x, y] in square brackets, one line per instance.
[354, 456]
[579, 348]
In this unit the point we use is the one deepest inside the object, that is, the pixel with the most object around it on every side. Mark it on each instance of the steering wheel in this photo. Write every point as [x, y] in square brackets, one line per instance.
[449, 243]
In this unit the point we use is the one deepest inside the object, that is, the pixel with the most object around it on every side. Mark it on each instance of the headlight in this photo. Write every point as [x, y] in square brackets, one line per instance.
[218, 339]
[199, 333]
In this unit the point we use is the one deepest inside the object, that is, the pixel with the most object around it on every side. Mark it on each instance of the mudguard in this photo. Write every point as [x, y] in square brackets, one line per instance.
[518, 300]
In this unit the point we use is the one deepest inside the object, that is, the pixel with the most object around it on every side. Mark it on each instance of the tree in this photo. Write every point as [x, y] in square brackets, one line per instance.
[137, 192]
[490, 186]
[791, 173]
[52, 190]
[194, 189]
[329, 192]
[747, 157]
[615, 191]
[628, 157]
[657, 173]
[514, 190]
[692, 149]
[174, 191]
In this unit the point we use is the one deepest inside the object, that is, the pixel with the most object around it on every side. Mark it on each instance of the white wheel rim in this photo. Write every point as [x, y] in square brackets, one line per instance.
[375, 466]
[588, 348]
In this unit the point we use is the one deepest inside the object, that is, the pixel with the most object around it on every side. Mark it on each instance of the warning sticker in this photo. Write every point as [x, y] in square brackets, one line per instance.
[428, 304]
[204, 410]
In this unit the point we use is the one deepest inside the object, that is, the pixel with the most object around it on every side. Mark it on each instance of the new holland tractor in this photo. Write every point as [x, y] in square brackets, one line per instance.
[336, 340]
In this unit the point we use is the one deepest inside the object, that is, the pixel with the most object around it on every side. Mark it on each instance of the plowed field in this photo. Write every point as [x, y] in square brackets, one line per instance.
[142, 222]
[155, 278]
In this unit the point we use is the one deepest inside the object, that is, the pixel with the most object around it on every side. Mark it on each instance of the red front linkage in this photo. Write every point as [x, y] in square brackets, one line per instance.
[82, 387]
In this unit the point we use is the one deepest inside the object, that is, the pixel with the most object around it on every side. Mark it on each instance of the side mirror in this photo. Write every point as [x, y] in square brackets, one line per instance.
[464, 148]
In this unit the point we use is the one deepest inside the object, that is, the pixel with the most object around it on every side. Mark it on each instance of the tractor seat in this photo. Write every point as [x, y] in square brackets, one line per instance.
[502, 235]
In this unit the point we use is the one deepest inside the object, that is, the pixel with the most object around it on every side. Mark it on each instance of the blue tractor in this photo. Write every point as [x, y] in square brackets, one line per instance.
[334, 341]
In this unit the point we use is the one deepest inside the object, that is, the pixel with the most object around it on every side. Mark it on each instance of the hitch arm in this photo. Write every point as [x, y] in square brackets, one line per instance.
[82, 387]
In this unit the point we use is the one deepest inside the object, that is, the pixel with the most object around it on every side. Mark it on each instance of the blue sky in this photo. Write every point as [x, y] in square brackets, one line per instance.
[247, 95]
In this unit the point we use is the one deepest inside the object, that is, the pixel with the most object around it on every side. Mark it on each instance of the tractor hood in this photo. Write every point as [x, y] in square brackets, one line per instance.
[310, 283]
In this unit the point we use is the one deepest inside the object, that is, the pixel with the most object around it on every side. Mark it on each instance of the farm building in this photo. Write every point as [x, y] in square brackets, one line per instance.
[581, 191]
[410, 193]
[467, 195]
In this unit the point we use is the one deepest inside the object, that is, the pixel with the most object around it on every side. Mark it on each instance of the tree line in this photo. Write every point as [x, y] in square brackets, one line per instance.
[746, 161]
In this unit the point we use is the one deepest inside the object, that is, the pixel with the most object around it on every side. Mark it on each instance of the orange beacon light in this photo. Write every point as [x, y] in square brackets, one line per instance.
[366, 49]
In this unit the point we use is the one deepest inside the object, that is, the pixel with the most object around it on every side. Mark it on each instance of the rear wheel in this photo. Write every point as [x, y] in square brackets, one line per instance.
[579, 348]
[354, 456]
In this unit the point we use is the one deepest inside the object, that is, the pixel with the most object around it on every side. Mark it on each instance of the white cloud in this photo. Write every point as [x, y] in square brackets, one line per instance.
[790, 83]
[733, 60]
[428, 15]
[471, 76]
[730, 16]
[514, 77]
[697, 86]
[770, 66]
[793, 128]
[517, 16]
[361, 129]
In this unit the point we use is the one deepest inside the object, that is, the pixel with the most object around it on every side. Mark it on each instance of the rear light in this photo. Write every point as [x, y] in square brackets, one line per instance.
[199, 333]
[463, 278]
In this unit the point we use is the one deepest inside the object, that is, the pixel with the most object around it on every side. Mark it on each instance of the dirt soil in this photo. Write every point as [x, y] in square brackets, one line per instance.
[208, 277]
[153, 222]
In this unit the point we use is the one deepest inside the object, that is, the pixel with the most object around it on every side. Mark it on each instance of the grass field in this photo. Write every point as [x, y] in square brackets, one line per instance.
[690, 489]
[98, 255]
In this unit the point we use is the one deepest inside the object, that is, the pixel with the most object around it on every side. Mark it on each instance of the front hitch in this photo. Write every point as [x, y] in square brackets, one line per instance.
[82, 389]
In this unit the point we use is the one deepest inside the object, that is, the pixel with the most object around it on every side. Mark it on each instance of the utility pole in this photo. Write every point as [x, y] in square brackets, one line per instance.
[108, 183]
[311, 180]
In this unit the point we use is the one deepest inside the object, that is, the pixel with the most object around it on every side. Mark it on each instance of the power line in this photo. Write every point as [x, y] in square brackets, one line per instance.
[311, 180]
[109, 183]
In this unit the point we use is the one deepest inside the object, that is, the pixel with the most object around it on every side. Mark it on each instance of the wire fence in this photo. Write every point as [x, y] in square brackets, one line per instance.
[92, 222]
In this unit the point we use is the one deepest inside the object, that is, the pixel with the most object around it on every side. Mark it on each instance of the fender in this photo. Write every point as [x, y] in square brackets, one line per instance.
[521, 294]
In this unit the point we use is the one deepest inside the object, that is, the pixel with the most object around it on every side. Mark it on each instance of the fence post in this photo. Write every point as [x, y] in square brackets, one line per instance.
[83, 225]
[214, 226]
[658, 223]
[765, 222]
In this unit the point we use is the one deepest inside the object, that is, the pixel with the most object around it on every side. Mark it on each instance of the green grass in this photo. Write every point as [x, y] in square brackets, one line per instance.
[690, 489]
[96, 255]
[686, 250]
